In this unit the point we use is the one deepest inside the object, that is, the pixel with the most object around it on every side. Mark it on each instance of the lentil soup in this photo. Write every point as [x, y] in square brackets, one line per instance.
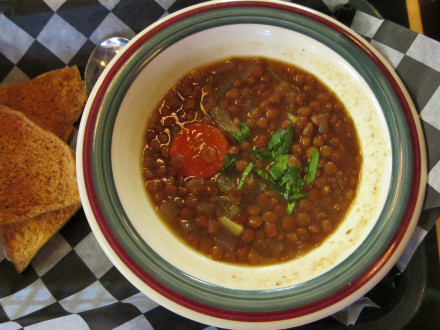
[251, 161]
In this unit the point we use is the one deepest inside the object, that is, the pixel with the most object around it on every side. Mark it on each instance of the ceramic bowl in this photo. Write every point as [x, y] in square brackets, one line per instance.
[349, 263]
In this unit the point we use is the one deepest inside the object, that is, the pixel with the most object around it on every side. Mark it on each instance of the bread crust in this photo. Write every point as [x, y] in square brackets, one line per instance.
[37, 169]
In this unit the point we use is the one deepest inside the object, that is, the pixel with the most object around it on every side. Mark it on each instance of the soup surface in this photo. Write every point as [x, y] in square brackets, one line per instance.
[251, 161]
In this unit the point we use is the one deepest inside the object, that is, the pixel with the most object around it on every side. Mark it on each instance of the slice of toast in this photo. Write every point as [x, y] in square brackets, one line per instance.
[37, 169]
[55, 100]
[23, 239]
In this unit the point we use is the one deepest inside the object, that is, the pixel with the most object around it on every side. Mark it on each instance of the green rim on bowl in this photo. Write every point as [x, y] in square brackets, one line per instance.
[185, 289]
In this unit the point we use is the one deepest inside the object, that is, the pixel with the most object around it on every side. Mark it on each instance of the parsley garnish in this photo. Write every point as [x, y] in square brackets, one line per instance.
[245, 174]
[313, 168]
[229, 162]
[244, 134]
[281, 141]
[288, 180]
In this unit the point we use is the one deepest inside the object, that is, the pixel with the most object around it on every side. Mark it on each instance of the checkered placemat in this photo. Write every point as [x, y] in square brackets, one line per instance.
[71, 283]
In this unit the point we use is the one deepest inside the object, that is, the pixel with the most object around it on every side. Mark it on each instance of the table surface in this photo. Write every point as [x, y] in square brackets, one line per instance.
[421, 16]
[420, 283]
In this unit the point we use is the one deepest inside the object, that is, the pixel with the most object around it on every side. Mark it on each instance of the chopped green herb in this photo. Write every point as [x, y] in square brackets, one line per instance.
[245, 174]
[290, 206]
[298, 196]
[313, 167]
[279, 166]
[229, 162]
[265, 155]
[287, 180]
[281, 141]
[263, 174]
[290, 185]
[244, 134]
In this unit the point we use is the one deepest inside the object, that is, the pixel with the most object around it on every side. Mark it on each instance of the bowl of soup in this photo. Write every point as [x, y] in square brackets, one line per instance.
[251, 164]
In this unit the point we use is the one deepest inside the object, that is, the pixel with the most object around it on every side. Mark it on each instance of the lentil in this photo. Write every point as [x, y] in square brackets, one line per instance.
[267, 96]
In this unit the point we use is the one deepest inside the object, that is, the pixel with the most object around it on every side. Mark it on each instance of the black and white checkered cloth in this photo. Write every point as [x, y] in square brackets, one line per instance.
[71, 284]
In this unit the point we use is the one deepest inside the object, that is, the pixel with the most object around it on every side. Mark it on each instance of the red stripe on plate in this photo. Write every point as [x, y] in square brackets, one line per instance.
[219, 312]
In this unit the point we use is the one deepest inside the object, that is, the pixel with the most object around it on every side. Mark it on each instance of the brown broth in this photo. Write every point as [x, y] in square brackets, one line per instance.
[193, 192]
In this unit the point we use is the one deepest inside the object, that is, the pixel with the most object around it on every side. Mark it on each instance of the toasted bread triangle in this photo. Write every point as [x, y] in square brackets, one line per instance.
[22, 240]
[55, 100]
[37, 169]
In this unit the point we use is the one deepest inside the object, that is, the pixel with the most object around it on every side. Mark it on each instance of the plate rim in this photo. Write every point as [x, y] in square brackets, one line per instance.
[409, 112]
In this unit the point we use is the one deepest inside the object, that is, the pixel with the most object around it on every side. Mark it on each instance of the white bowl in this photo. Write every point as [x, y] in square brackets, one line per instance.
[349, 263]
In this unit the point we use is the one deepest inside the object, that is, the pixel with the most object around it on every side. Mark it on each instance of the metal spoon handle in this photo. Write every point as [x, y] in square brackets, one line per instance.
[100, 58]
